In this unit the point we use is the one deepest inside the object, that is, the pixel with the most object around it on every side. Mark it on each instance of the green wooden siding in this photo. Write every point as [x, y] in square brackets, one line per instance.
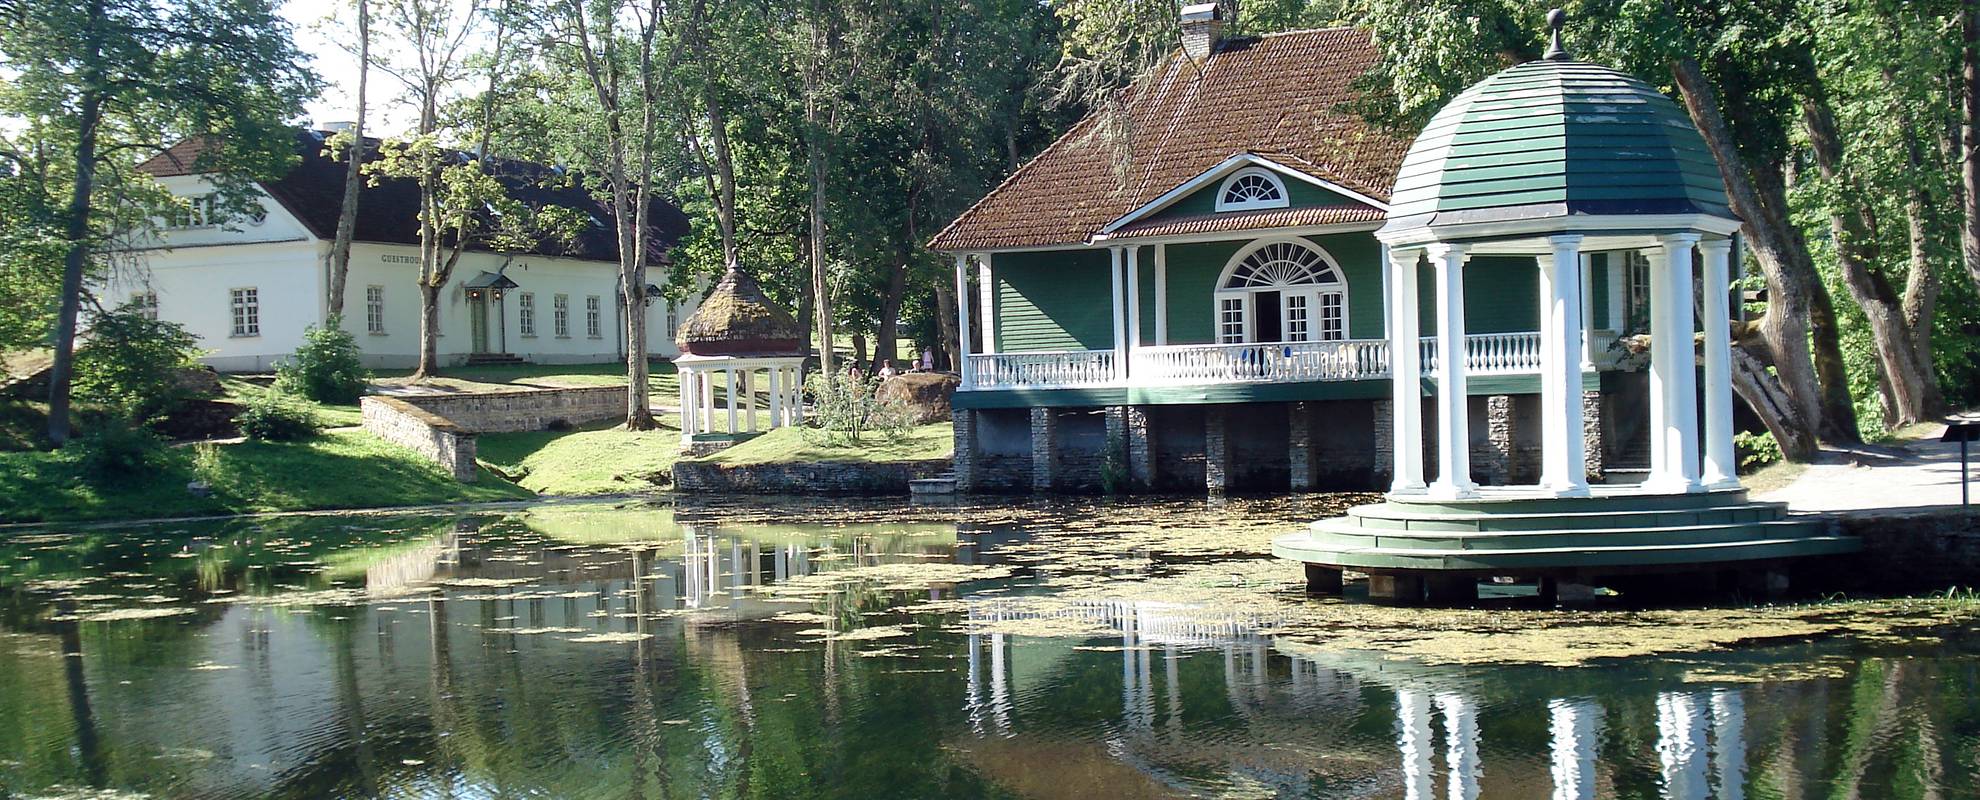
[1053, 300]
[1299, 194]
[1598, 291]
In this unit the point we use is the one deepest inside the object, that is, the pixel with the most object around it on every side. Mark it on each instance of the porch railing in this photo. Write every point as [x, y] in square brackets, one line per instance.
[1042, 370]
[1285, 362]
[1491, 353]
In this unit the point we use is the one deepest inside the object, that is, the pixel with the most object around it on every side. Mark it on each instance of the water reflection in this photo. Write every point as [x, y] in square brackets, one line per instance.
[595, 653]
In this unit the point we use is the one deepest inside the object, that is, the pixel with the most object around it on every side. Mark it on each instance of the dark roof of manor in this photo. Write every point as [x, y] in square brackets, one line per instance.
[738, 319]
[389, 212]
[1282, 96]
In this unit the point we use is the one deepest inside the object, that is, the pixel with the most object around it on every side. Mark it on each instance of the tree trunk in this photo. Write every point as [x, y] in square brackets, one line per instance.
[890, 305]
[1856, 256]
[429, 332]
[1969, 138]
[821, 294]
[340, 248]
[945, 306]
[1838, 414]
[1785, 326]
[639, 409]
[1771, 404]
[62, 371]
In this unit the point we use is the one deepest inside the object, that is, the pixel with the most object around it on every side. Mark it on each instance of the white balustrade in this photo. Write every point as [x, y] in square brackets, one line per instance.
[1038, 370]
[1280, 362]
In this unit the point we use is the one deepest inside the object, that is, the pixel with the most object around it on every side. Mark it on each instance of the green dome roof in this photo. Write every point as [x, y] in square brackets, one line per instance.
[1550, 139]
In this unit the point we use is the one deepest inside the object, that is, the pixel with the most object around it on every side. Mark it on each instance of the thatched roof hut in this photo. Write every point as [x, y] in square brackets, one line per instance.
[737, 319]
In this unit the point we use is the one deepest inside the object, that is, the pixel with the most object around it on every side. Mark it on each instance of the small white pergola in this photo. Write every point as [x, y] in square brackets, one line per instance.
[737, 377]
[1560, 248]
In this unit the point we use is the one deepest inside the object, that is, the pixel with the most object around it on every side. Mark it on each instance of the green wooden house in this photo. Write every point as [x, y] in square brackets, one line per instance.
[1187, 293]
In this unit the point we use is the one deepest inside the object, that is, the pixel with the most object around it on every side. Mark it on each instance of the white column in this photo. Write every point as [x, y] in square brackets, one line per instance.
[749, 398]
[1587, 279]
[707, 413]
[1721, 470]
[1573, 725]
[1120, 314]
[986, 286]
[1561, 460]
[775, 376]
[686, 377]
[1133, 298]
[729, 396]
[1405, 372]
[1161, 294]
[1673, 396]
[1453, 417]
[962, 322]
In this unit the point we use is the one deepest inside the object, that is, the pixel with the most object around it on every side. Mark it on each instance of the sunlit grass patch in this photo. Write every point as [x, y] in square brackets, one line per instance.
[801, 445]
[605, 459]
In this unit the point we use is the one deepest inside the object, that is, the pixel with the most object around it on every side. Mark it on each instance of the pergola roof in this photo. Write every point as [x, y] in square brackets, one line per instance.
[1554, 139]
[737, 319]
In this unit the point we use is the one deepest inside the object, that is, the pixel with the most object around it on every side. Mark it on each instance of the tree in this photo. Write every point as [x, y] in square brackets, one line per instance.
[352, 145]
[108, 81]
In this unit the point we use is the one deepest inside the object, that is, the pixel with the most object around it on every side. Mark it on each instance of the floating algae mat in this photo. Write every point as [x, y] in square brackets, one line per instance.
[1086, 648]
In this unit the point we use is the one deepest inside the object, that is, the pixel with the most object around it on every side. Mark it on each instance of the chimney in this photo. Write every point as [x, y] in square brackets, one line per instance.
[1202, 29]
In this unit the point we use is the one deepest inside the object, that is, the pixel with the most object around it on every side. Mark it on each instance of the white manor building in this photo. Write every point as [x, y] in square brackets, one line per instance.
[250, 287]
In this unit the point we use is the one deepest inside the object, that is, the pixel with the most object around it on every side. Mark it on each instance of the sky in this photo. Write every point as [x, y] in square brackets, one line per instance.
[323, 31]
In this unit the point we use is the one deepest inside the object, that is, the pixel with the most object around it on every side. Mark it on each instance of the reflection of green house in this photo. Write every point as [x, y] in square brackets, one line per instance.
[1197, 280]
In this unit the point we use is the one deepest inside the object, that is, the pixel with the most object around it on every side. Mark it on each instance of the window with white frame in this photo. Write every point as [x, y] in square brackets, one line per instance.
[204, 211]
[560, 315]
[374, 309]
[526, 313]
[673, 319]
[1636, 292]
[1281, 290]
[591, 327]
[247, 311]
[145, 304]
[1250, 189]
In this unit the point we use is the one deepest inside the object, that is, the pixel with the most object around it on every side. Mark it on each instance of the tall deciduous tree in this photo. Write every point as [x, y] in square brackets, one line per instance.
[110, 80]
[353, 146]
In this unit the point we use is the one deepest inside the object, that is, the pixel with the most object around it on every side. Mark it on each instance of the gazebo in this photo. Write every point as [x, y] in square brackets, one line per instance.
[736, 334]
[1555, 159]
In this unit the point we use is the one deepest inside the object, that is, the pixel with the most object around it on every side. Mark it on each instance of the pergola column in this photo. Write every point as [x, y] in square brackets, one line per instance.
[1673, 385]
[1133, 298]
[1453, 417]
[776, 399]
[1405, 373]
[986, 287]
[749, 398]
[688, 414]
[1120, 313]
[729, 396]
[1721, 470]
[707, 414]
[962, 322]
[1561, 468]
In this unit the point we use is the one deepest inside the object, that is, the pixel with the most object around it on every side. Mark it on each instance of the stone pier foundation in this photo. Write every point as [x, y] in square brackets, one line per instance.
[1044, 449]
[1591, 433]
[966, 449]
[1496, 466]
[1383, 426]
[1323, 580]
[1401, 589]
[1140, 447]
[1216, 450]
[1299, 449]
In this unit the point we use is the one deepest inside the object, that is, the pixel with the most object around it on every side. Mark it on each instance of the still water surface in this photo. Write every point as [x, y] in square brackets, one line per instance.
[1084, 650]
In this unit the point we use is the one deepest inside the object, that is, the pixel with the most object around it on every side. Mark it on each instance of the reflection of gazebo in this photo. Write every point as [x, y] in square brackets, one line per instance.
[736, 333]
[1551, 160]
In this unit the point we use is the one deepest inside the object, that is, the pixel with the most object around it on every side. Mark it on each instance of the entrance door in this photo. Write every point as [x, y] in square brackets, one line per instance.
[1267, 327]
[478, 321]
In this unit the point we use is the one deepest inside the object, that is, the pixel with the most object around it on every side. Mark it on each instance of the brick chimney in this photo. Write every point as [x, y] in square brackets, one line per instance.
[1202, 29]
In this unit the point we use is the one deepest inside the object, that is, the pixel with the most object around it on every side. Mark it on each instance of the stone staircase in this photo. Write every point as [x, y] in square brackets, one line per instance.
[938, 486]
[1503, 536]
[491, 359]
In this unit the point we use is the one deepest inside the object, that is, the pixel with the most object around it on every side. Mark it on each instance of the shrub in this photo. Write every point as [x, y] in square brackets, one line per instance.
[1756, 450]
[326, 368]
[844, 406]
[136, 365]
[270, 418]
[112, 452]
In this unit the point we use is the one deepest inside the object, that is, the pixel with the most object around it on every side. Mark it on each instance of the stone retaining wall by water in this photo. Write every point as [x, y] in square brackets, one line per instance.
[426, 433]
[442, 427]
[823, 477]
[1926, 549]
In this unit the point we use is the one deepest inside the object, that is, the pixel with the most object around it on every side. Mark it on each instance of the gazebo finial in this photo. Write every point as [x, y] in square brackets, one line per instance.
[1555, 20]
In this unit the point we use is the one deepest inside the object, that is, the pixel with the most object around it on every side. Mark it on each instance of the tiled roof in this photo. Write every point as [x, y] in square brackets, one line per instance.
[389, 212]
[1281, 96]
[1249, 220]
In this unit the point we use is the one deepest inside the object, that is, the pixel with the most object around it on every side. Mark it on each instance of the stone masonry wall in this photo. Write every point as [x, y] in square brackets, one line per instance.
[526, 409]
[432, 436]
[1926, 549]
[825, 477]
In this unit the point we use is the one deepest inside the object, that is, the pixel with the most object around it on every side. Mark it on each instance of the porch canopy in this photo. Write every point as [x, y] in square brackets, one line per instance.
[1555, 159]
[736, 333]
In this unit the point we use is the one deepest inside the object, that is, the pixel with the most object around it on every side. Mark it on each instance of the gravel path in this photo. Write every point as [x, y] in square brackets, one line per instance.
[1919, 473]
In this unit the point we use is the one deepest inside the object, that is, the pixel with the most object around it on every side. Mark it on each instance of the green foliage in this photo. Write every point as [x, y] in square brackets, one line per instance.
[136, 365]
[271, 418]
[1756, 450]
[108, 454]
[844, 407]
[327, 367]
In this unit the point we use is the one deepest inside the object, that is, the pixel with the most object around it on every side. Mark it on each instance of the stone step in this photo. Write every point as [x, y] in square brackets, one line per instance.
[1407, 517]
[1516, 503]
[932, 486]
[1300, 547]
[1332, 534]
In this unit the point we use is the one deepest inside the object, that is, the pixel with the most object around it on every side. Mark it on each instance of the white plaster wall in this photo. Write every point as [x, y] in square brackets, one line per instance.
[193, 272]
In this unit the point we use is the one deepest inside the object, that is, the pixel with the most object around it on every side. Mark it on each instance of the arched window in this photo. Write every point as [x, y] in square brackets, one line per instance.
[1281, 290]
[1250, 189]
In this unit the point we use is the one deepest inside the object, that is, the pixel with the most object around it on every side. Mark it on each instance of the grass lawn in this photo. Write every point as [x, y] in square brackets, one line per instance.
[338, 469]
[598, 460]
[794, 445]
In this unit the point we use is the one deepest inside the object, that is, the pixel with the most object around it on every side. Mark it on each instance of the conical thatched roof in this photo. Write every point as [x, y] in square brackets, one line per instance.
[736, 319]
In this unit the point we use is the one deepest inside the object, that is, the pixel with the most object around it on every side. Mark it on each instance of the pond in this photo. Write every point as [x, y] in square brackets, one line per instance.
[1048, 650]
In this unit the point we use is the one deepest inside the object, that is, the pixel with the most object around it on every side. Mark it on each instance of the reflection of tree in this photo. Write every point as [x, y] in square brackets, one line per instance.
[88, 755]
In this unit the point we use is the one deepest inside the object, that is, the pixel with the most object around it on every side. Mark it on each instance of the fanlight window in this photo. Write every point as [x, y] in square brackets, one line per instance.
[1282, 291]
[1251, 189]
